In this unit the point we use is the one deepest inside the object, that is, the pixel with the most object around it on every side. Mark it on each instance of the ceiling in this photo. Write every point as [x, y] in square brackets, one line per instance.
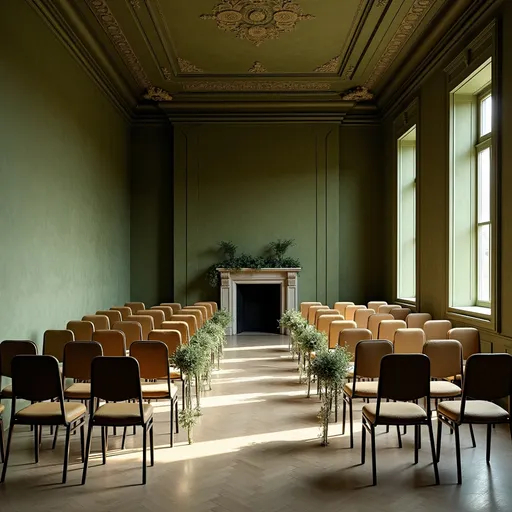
[177, 47]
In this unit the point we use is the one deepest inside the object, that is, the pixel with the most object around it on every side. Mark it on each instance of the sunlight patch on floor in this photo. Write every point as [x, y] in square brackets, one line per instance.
[255, 347]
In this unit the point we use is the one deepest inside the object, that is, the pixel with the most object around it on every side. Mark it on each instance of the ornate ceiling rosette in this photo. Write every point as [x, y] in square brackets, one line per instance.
[257, 20]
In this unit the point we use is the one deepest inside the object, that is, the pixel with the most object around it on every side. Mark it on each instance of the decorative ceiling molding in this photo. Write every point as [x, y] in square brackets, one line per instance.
[257, 20]
[157, 94]
[187, 66]
[257, 67]
[408, 25]
[135, 4]
[382, 3]
[167, 74]
[359, 93]
[106, 19]
[256, 85]
[349, 73]
[331, 66]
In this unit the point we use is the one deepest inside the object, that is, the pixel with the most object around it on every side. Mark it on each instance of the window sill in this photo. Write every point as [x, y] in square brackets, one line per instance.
[475, 316]
[409, 301]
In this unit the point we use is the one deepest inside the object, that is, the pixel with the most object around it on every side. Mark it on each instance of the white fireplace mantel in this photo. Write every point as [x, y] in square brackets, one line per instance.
[230, 278]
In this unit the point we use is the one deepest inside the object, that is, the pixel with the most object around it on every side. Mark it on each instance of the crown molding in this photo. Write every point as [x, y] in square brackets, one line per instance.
[77, 39]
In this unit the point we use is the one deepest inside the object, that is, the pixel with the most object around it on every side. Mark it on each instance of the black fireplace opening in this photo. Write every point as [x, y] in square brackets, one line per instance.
[258, 308]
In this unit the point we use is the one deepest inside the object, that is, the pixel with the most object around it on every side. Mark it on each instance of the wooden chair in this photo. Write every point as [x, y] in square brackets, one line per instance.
[404, 378]
[82, 329]
[112, 314]
[124, 310]
[167, 310]
[488, 378]
[336, 328]
[153, 358]
[387, 308]
[409, 341]
[368, 354]
[436, 329]
[375, 320]
[203, 309]
[304, 308]
[54, 342]
[135, 306]
[351, 309]
[112, 342]
[78, 358]
[117, 381]
[209, 308]
[312, 313]
[99, 321]
[349, 338]
[375, 304]
[469, 338]
[37, 379]
[145, 321]
[190, 320]
[214, 305]
[176, 306]
[195, 312]
[172, 340]
[157, 315]
[324, 322]
[342, 306]
[417, 320]
[8, 350]
[180, 326]
[322, 312]
[400, 313]
[132, 331]
[387, 329]
[361, 317]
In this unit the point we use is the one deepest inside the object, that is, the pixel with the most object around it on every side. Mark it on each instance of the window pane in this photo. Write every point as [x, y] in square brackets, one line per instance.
[484, 263]
[486, 115]
[484, 185]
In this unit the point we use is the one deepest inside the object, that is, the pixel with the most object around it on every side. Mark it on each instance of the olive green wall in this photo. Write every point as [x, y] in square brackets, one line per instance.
[64, 185]
[433, 185]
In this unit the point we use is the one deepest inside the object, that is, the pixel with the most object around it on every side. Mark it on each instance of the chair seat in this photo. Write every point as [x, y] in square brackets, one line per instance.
[49, 413]
[476, 411]
[174, 373]
[158, 390]
[122, 413]
[78, 391]
[394, 413]
[6, 392]
[443, 388]
[363, 389]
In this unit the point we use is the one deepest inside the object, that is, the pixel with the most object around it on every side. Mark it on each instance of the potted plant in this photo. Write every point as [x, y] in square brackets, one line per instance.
[311, 342]
[295, 323]
[331, 368]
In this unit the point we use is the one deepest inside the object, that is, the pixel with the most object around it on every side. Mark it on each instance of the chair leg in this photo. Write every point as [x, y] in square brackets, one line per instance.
[82, 441]
[344, 416]
[171, 424]
[399, 436]
[335, 404]
[374, 456]
[87, 451]
[363, 445]
[488, 451]
[351, 420]
[151, 446]
[416, 440]
[457, 454]
[103, 445]
[7, 451]
[36, 443]
[144, 454]
[55, 435]
[124, 438]
[432, 449]
[472, 435]
[176, 417]
[66, 455]
[439, 432]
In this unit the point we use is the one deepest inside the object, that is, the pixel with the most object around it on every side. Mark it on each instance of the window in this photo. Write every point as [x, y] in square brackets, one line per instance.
[471, 195]
[406, 216]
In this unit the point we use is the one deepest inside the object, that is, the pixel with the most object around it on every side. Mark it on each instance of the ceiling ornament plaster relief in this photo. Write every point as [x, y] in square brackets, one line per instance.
[157, 94]
[167, 74]
[110, 25]
[257, 67]
[408, 25]
[256, 85]
[135, 4]
[359, 93]
[349, 73]
[257, 20]
[187, 66]
[382, 3]
[330, 66]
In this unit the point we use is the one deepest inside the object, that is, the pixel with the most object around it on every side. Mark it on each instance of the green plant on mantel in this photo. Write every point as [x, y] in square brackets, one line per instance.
[275, 257]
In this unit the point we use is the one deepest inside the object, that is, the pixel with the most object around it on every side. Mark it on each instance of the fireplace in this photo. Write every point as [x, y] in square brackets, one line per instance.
[258, 308]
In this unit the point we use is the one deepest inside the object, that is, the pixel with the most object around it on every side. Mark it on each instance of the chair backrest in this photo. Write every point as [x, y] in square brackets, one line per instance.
[145, 321]
[324, 322]
[78, 357]
[336, 328]
[349, 338]
[99, 321]
[487, 377]
[322, 312]
[209, 308]
[312, 312]
[387, 329]
[132, 331]
[445, 358]
[190, 320]
[135, 306]
[417, 320]
[157, 316]
[36, 378]
[112, 342]
[437, 329]
[194, 312]
[469, 337]
[172, 339]
[153, 358]
[342, 306]
[113, 315]
[409, 341]
[124, 310]
[404, 377]
[203, 309]
[176, 306]
[304, 308]
[11, 348]
[214, 305]
[82, 329]
[368, 354]
[167, 311]
[116, 379]
[54, 342]
[361, 317]
[375, 304]
[400, 313]
[375, 320]
[350, 310]
[182, 327]
[387, 308]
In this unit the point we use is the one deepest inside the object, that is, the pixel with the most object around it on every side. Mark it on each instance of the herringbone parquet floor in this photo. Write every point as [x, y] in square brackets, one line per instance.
[257, 449]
